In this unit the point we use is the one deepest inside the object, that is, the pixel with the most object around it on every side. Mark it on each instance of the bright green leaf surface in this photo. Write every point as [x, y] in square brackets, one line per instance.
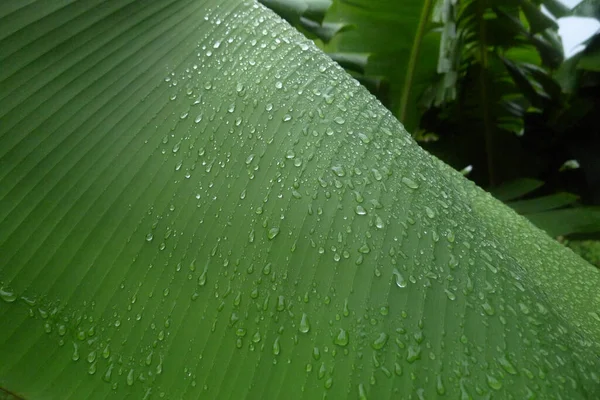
[195, 202]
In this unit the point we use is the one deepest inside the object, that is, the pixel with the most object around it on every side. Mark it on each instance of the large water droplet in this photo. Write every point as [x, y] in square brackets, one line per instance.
[267, 269]
[362, 393]
[272, 233]
[338, 170]
[399, 279]
[7, 295]
[493, 382]
[341, 338]
[414, 353]
[304, 324]
[410, 183]
[380, 341]
[507, 365]
[276, 347]
[130, 377]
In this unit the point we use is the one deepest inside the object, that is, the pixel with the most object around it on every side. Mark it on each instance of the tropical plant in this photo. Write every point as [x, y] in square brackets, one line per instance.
[195, 202]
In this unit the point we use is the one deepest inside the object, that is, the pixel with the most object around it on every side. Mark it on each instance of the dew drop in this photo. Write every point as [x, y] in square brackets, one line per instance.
[276, 347]
[273, 232]
[380, 341]
[414, 354]
[410, 183]
[360, 210]
[304, 324]
[7, 295]
[130, 377]
[451, 296]
[338, 170]
[362, 393]
[399, 279]
[266, 269]
[341, 338]
[493, 382]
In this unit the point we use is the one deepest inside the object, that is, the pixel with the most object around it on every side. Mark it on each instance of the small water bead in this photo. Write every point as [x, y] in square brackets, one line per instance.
[278, 84]
[339, 120]
[364, 138]
[149, 237]
[379, 222]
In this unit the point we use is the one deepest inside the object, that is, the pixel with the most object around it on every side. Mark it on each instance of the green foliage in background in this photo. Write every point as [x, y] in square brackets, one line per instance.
[196, 202]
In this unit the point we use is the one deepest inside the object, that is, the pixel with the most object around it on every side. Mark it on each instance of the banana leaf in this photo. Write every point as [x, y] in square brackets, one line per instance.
[196, 202]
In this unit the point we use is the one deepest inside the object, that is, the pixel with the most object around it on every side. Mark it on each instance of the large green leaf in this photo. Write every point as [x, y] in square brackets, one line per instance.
[195, 202]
